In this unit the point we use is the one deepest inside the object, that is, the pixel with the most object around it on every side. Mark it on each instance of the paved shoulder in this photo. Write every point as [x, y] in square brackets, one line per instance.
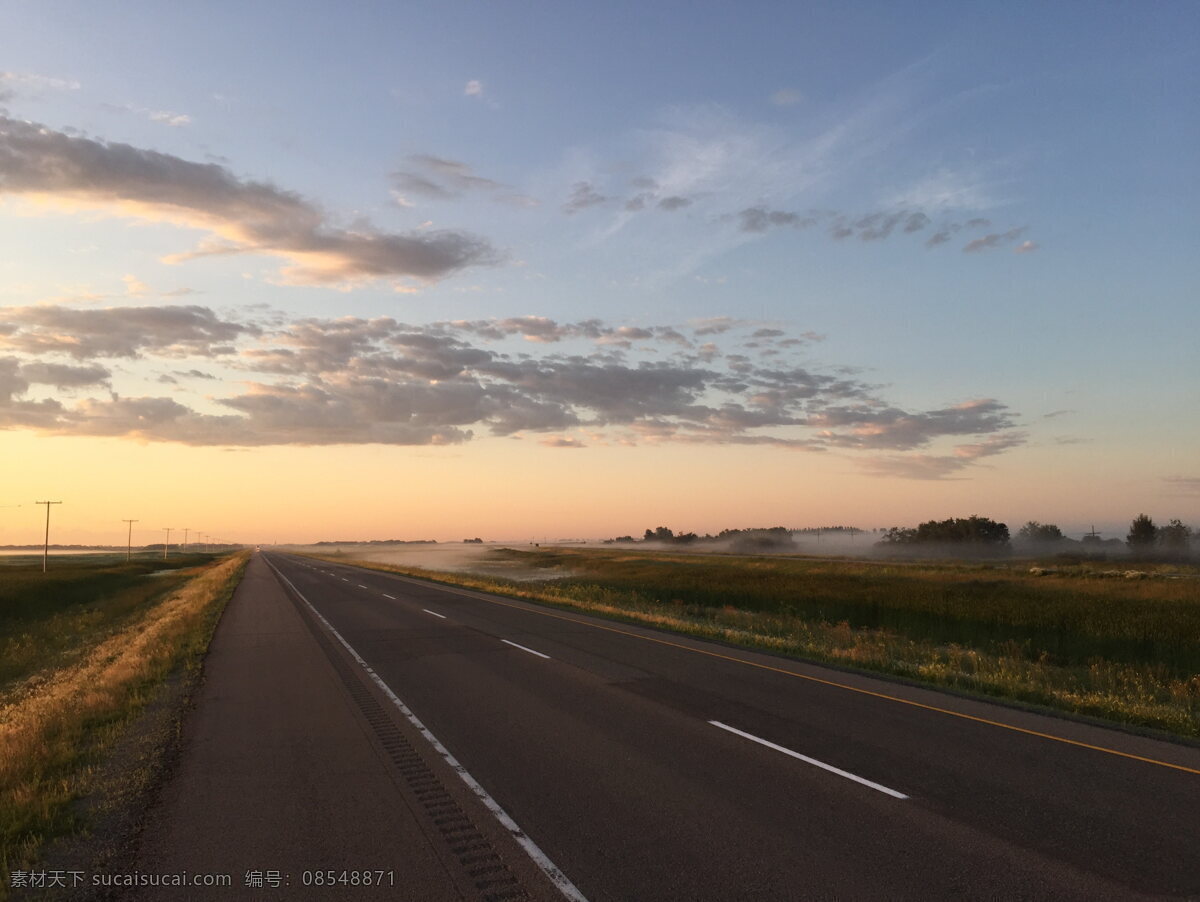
[292, 777]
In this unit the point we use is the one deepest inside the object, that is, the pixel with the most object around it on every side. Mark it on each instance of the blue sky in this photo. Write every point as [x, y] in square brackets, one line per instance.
[949, 202]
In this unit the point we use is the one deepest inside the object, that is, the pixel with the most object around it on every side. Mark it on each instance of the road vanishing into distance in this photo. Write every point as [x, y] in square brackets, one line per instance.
[469, 746]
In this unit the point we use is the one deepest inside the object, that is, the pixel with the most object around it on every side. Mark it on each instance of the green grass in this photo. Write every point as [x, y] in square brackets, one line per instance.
[48, 619]
[1082, 639]
[1070, 617]
[126, 628]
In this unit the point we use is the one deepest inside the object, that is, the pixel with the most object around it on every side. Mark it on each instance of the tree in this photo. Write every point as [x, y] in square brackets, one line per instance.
[1175, 537]
[662, 534]
[1033, 531]
[1142, 533]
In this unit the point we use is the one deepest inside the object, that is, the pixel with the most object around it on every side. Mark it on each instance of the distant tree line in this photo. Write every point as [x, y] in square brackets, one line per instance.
[760, 539]
[974, 535]
[982, 532]
[378, 542]
[1146, 540]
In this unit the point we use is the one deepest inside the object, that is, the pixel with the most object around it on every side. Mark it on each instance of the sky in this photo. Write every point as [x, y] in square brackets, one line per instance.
[526, 271]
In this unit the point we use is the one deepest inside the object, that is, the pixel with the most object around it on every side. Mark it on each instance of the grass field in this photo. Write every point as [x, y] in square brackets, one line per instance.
[1082, 638]
[83, 649]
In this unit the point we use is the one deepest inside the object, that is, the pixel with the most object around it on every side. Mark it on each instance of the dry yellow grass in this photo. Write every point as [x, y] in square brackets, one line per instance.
[50, 735]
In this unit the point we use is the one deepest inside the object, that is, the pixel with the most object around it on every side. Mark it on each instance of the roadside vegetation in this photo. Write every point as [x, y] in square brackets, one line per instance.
[1123, 645]
[83, 649]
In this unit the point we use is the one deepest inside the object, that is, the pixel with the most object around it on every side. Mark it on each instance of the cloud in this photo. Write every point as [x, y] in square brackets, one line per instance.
[944, 466]
[167, 331]
[78, 174]
[866, 426]
[759, 219]
[1183, 485]
[583, 195]
[786, 97]
[14, 83]
[350, 380]
[670, 204]
[474, 88]
[876, 226]
[1026, 247]
[993, 240]
[440, 179]
[168, 118]
[412, 183]
[65, 376]
[947, 189]
[558, 441]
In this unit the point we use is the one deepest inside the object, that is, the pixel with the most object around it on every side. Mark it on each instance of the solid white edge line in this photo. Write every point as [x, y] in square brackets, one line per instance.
[361, 586]
[385, 595]
[813, 761]
[523, 648]
[547, 867]
[434, 613]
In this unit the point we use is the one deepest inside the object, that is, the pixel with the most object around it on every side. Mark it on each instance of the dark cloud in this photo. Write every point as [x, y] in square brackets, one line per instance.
[62, 375]
[583, 195]
[353, 380]
[868, 427]
[993, 240]
[878, 226]
[759, 219]
[670, 204]
[243, 216]
[169, 331]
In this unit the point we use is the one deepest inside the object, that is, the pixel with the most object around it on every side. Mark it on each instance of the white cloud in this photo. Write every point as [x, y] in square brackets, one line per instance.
[474, 88]
[12, 83]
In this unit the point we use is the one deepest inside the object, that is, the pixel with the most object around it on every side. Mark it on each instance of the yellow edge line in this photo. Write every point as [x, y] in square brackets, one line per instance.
[813, 679]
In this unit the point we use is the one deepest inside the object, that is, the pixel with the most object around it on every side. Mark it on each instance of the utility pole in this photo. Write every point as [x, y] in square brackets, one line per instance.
[186, 530]
[46, 546]
[129, 540]
[167, 543]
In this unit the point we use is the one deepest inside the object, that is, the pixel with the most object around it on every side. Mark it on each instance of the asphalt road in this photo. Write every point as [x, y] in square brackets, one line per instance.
[629, 764]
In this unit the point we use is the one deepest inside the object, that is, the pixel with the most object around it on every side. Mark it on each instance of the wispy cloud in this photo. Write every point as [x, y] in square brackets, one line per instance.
[786, 97]
[14, 83]
[1183, 485]
[439, 178]
[559, 441]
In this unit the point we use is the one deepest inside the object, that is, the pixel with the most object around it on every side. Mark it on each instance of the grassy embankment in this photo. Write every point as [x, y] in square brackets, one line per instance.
[1080, 638]
[83, 649]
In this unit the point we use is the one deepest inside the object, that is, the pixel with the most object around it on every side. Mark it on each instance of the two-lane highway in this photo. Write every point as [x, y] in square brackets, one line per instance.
[643, 765]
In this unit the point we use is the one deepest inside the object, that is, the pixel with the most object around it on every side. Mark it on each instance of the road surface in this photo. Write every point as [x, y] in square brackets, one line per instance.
[574, 757]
